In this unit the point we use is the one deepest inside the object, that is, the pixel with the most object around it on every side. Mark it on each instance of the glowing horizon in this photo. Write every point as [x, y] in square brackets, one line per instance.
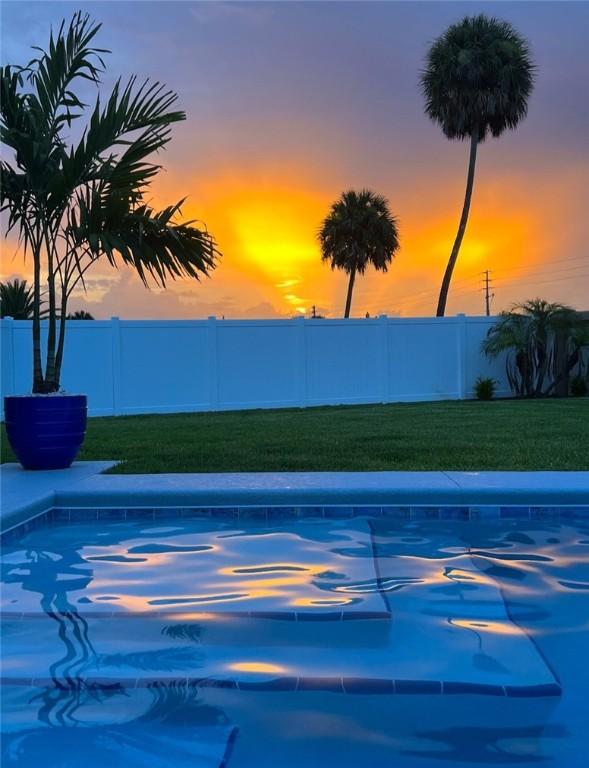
[273, 136]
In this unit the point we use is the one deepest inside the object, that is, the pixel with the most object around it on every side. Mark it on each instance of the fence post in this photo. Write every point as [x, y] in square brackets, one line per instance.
[7, 360]
[384, 357]
[115, 335]
[461, 355]
[301, 353]
[213, 364]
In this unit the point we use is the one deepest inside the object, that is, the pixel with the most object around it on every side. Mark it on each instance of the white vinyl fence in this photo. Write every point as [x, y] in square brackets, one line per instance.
[165, 366]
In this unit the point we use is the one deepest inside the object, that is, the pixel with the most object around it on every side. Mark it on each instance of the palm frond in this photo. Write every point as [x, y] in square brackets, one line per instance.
[152, 242]
[69, 57]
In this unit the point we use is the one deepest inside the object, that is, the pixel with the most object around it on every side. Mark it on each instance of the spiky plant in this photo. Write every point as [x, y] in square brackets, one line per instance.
[16, 299]
[73, 203]
[359, 231]
[477, 80]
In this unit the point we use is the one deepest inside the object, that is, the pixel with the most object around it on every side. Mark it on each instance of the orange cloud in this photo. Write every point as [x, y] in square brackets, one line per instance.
[266, 222]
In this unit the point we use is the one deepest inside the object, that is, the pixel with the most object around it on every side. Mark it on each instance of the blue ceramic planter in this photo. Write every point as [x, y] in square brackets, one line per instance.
[45, 432]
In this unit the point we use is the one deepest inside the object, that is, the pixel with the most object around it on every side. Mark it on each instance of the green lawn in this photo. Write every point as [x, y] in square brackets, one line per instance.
[508, 434]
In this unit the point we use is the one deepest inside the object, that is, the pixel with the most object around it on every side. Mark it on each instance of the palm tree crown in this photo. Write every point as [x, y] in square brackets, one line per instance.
[478, 77]
[16, 299]
[359, 231]
[80, 314]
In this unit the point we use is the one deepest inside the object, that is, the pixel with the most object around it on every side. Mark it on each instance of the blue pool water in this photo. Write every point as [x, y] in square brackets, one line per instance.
[368, 641]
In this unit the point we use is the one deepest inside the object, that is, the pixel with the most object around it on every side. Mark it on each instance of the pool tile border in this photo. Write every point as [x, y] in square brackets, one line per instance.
[257, 514]
[304, 684]
[292, 616]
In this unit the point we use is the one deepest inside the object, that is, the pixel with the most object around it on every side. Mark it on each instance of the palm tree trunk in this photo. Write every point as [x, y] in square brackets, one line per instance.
[50, 383]
[542, 362]
[61, 340]
[350, 289]
[474, 140]
[570, 362]
[38, 383]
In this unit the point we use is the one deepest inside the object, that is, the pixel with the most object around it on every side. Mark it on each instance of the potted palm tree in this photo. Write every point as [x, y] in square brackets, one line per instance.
[73, 203]
[359, 231]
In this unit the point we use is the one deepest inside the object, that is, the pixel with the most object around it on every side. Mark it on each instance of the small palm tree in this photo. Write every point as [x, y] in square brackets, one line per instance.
[359, 231]
[80, 314]
[16, 299]
[476, 82]
[544, 343]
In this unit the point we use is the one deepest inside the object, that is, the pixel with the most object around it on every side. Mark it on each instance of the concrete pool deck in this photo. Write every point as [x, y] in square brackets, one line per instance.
[27, 494]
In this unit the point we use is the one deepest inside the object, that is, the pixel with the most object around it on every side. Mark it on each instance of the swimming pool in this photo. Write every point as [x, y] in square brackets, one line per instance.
[308, 636]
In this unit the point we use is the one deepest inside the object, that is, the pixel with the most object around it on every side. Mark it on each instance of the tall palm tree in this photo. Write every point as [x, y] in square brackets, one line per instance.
[476, 82]
[16, 299]
[359, 231]
[73, 202]
[532, 334]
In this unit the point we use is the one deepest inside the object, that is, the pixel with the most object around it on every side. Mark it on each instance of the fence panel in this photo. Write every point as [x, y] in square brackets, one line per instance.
[161, 366]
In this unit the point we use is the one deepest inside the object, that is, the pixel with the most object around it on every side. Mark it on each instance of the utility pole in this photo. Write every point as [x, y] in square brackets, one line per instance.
[487, 289]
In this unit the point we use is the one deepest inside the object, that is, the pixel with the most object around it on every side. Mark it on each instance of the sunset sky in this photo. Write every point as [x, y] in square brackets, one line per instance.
[288, 104]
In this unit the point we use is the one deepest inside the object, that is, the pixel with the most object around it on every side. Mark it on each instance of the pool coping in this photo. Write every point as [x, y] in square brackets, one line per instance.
[25, 495]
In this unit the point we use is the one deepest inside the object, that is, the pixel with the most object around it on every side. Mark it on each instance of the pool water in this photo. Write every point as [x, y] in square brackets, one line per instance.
[311, 642]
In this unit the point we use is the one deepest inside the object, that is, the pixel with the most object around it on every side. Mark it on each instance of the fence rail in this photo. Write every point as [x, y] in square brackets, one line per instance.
[165, 366]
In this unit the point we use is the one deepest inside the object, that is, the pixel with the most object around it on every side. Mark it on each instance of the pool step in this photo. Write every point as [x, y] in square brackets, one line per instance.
[135, 631]
[362, 656]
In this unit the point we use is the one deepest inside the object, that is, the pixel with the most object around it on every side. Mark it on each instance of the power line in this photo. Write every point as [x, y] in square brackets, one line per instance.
[417, 302]
[555, 261]
[546, 272]
[550, 280]
[467, 280]
[423, 297]
[430, 291]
